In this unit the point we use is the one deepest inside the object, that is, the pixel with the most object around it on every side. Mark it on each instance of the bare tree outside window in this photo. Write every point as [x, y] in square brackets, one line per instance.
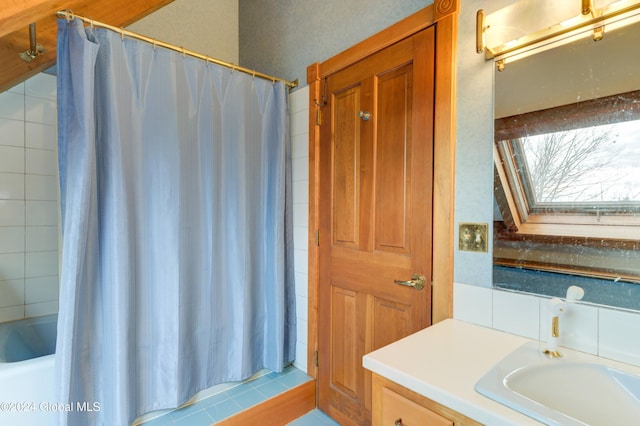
[595, 165]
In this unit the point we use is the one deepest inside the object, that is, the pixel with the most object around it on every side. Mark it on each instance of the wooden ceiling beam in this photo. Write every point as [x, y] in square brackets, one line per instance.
[16, 15]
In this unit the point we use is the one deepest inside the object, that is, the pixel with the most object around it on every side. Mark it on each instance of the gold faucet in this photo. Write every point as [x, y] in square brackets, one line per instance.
[556, 307]
[555, 333]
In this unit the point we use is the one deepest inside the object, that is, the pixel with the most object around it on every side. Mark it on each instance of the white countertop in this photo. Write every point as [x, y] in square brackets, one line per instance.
[443, 362]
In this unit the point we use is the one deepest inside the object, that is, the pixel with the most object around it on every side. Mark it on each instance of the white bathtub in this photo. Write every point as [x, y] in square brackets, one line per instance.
[26, 372]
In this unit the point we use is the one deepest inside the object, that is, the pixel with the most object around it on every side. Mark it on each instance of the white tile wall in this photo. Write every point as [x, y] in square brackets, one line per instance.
[40, 309]
[39, 187]
[473, 304]
[598, 330]
[41, 238]
[40, 110]
[12, 186]
[516, 314]
[11, 239]
[12, 131]
[12, 213]
[11, 293]
[29, 212]
[11, 313]
[12, 266]
[619, 335]
[18, 88]
[40, 162]
[40, 86]
[41, 264]
[41, 213]
[299, 113]
[40, 289]
[40, 136]
[12, 105]
[11, 159]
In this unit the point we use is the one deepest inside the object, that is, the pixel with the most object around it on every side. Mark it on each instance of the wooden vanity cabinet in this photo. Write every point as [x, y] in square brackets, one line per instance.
[395, 405]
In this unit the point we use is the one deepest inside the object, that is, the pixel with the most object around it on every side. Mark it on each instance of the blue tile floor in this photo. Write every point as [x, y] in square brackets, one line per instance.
[314, 418]
[226, 400]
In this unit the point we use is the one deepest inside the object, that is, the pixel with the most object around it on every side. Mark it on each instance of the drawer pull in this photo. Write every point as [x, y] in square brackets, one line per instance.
[398, 422]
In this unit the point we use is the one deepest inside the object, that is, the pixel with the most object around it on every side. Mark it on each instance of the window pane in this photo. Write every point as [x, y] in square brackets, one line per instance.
[590, 166]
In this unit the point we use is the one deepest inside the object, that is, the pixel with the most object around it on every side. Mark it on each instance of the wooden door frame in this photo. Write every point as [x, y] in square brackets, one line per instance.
[444, 15]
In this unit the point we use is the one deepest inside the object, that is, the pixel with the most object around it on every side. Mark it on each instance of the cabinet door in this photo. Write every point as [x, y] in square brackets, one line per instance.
[400, 411]
[395, 405]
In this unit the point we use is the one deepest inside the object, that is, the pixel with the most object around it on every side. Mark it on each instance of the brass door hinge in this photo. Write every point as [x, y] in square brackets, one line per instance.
[321, 104]
[318, 238]
[315, 358]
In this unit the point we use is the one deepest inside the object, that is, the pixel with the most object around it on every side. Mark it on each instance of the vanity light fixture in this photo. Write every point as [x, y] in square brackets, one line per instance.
[522, 28]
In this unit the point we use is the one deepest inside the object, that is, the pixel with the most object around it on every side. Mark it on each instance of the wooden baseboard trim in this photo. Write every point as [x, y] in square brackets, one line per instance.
[279, 410]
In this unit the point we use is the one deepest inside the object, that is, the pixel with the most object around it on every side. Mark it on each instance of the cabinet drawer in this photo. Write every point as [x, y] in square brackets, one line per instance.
[398, 410]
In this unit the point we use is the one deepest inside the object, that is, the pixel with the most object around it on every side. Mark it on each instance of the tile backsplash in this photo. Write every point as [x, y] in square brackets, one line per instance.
[29, 212]
[597, 330]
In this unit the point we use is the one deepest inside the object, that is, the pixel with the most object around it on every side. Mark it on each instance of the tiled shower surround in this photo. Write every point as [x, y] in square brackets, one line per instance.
[29, 207]
[29, 212]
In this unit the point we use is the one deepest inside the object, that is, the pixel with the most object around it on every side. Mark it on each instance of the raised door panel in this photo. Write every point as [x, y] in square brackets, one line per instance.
[393, 160]
[344, 342]
[391, 322]
[346, 166]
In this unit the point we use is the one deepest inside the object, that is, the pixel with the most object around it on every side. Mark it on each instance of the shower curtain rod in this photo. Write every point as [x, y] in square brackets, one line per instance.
[69, 16]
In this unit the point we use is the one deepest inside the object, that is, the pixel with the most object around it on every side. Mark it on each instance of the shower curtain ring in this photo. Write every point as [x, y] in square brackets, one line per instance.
[155, 44]
[67, 15]
[122, 33]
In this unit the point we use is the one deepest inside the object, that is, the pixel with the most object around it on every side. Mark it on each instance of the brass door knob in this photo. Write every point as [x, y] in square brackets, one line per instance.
[365, 115]
[417, 281]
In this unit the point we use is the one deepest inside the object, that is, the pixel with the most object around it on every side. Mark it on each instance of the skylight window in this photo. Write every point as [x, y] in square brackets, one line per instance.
[585, 167]
[572, 170]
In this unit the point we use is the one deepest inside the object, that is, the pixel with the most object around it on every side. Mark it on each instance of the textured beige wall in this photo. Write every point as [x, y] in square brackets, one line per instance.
[209, 27]
[282, 38]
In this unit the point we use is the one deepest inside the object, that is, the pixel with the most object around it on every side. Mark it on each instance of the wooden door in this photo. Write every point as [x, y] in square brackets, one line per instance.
[375, 203]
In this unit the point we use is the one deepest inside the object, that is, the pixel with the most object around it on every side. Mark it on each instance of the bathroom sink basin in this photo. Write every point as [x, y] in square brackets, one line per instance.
[577, 389]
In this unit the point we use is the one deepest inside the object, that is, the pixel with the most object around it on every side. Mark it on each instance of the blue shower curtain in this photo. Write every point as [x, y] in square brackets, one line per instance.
[176, 215]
